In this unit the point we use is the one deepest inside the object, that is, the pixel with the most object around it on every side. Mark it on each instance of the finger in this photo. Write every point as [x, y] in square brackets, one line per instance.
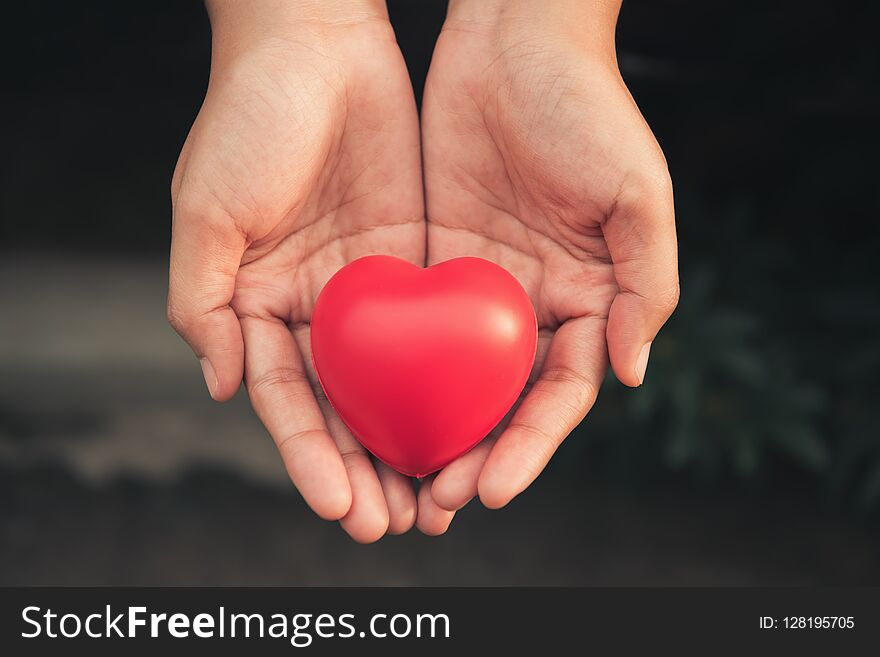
[400, 498]
[641, 240]
[367, 519]
[284, 401]
[565, 390]
[456, 484]
[431, 519]
[205, 256]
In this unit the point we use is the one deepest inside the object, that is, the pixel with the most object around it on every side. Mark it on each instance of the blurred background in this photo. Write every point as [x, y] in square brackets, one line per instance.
[750, 456]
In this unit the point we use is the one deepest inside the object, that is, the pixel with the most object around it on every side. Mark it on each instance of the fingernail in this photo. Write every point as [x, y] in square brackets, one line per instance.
[210, 376]
[642, 362]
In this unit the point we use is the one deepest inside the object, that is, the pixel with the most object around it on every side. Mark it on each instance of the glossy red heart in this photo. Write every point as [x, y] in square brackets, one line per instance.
[421, 364]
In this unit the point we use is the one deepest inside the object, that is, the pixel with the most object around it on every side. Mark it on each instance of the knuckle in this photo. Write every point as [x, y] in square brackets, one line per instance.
[537, 450]
[191, 207]
[669, 299]
[651, 188]
[273, 378]
[352, 457]
[581, 392]
[292, 443]
[658, 191]
[536, 435]
[209, 211]
[179, 320]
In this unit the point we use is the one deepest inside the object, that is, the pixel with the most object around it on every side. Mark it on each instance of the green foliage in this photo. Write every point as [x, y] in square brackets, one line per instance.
[723, 397]
[856, 422]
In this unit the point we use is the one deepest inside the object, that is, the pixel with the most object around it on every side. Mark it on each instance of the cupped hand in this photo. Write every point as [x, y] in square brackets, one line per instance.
[536, 157]
[304, 156]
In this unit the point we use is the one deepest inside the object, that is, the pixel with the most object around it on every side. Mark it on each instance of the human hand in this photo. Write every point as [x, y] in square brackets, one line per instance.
[536, 157]
[304, 156]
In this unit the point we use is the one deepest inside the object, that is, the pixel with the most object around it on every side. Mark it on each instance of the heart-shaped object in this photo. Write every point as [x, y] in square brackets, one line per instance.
[421, 364]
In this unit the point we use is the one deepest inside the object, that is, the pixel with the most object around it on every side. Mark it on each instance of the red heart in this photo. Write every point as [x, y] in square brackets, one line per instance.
[421, 364]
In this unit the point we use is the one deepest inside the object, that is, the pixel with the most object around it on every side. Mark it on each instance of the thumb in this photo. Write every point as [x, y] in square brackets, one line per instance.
[640, 233]
[206, 250]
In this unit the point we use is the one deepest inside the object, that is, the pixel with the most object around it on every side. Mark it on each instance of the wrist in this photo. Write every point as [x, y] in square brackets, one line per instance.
[588, 24]
[269, 12]
[239, 26]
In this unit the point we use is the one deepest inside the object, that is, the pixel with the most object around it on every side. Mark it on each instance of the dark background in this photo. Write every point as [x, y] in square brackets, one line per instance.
[750, 456]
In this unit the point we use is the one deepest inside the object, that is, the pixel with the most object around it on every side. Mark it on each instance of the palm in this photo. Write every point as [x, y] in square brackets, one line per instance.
[363, 196]
[525, 153]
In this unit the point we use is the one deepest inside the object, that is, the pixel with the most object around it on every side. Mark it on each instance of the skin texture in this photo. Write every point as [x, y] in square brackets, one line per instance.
[306, 155]
[536, 157]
